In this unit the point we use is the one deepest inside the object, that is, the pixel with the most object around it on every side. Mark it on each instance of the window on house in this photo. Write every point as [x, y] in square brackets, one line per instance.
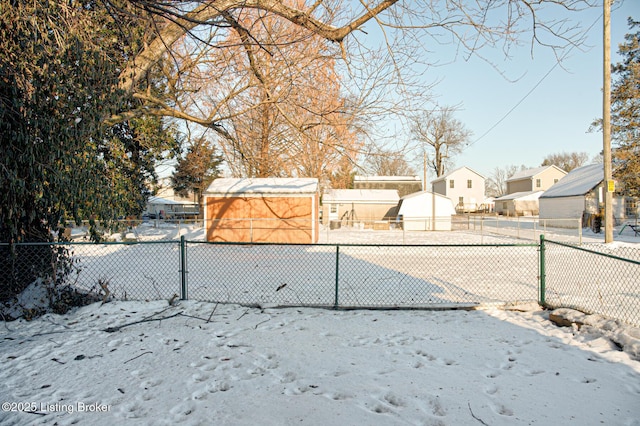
[555, 181]
[505, 206]
[538, 183]
[334, 208]
[631, 207]
[451, 185]
[461, 201]
[469, 183]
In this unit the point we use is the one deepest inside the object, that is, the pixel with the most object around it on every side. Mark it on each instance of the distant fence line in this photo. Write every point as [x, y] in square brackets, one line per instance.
[551, 273]
[521, 227]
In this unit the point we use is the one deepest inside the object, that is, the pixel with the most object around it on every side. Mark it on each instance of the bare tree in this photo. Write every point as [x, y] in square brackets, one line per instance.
[496, 185]
[439, 131]
[408, 29]
[294, 120]
[566, 161]
[388, 163]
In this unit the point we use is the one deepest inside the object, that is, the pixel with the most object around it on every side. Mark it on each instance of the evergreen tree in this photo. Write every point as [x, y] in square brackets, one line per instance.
[60, 161]
[197, 169]
[625, 113]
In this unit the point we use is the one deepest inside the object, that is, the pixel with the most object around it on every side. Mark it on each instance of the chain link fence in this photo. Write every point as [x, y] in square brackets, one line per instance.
[405, 230]
[602, 279]
[362, 275]
[302, 275]
[140, 271]
[593, 278]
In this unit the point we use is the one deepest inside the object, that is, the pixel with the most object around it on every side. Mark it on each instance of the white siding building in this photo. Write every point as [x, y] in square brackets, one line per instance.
[577, 198]
[464, 186]
[359, 205]
[539, 179]
[518, 204]
[425, 211]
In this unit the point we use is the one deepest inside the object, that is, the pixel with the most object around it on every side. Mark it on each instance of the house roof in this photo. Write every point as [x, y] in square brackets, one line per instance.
[232, 186]
[444, 205]
[167, 202]
[524, 195]
[530, 173]
[578, 182]
[361, 195]
[423, 193]
[387, 178]
[445, 176]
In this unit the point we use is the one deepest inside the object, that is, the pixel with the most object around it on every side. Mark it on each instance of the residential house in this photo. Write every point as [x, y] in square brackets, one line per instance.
[464, 186]
[166, 203]
[538, 179]
[164, 208]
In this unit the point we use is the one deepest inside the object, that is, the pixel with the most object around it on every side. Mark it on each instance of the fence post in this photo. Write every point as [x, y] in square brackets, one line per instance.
[335, 300]
[542, 271]
[580, 230]
[183, 269]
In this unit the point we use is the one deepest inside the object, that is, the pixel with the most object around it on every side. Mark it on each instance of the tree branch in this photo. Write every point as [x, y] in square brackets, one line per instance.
[178, 25]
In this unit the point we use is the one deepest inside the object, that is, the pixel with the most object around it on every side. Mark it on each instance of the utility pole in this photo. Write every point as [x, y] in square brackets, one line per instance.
[425, 160]
[609, 186]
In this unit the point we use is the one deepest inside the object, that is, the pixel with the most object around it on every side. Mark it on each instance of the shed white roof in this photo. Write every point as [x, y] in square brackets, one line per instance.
[578, 182]
[387, 178]
[168, 202]
[524, 195]
[419, 204]
[361, 195]
[232, 186]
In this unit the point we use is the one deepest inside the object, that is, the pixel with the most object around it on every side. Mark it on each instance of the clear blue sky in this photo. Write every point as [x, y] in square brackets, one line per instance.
[553, 118]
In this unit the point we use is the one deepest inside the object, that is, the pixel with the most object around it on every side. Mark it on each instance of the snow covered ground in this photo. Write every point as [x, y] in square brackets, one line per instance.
[197, 363]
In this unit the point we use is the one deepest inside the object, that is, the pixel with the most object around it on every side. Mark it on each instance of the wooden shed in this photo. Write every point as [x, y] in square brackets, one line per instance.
[276, 210]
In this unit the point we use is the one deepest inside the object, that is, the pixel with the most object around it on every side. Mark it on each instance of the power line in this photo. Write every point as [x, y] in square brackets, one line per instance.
[530, 91]
[516, 105]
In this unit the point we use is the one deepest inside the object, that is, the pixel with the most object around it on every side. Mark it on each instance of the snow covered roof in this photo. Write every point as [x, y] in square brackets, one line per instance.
[524, 195]
[443, 177]
[361, 195]
[387, 178]
[424, 193]
[168, 202]
[529, 173]
[578, 182]
[415, 204]
[230, 186]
